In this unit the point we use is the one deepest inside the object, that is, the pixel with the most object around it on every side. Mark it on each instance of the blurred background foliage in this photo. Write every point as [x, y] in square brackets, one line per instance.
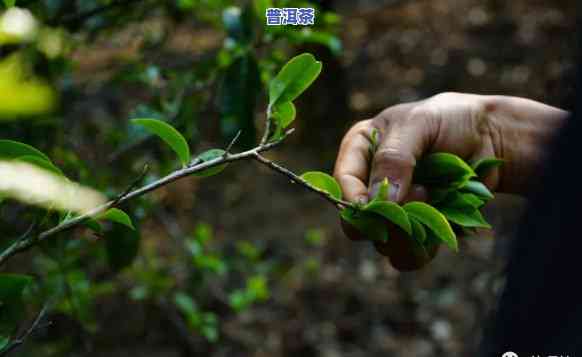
[244, 263]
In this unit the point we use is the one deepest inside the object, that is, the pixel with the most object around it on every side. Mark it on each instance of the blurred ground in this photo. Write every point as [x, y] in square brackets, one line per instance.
[342, 299]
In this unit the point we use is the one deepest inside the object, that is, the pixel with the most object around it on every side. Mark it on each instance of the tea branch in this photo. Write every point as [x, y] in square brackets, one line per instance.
[31, 239]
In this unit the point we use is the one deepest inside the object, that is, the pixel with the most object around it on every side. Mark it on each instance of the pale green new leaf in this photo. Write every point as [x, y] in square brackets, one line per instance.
[210, 155]
[324, 182]
[383, 191]
[283, 115]
[169, 135]
[477, 188]
[433, 220]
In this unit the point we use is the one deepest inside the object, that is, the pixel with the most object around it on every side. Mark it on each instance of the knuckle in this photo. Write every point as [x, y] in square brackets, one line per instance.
[362, 127]
[394, 158]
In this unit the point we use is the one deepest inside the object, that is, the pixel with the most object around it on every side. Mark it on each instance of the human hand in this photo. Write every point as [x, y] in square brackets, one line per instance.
[470, 126]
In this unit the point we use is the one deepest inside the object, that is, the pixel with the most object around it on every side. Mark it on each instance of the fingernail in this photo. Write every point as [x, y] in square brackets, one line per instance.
[362, 200]
[393, 192]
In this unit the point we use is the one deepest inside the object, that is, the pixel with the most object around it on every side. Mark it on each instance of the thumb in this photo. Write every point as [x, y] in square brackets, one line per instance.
[396, 157]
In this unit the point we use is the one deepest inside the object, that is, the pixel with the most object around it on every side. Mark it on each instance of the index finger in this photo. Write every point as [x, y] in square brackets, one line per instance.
[352, 165]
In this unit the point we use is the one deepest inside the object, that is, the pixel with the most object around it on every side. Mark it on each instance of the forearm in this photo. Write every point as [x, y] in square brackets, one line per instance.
[523, 130]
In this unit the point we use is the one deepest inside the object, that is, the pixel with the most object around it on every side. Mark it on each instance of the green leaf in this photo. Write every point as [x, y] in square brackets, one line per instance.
[418, 231]
[169, 135]
[484, 166]
[433, 220]
[465, 216]
[283, 114]
[293, 79]
[323, 182]
[210, 155]
[118, 216]
[10, 149]
[42, 163]
[392, 212]
[382, 194]
[371, 225]
[442, 169]
[477, 188]
[22, 93]
[474, 200]
[122, 245]
[238, 99]
[9, 3]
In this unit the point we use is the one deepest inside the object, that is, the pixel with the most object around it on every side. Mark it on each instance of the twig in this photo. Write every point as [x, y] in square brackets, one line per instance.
[22, 338]
[25, 244]
[232, 142]
[267, 126]
[133, 185]
[298, 180]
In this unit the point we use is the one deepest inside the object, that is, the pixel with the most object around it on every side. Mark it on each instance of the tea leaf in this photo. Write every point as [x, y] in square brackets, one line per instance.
[442, 169]
[382, 194]
[418, 231]
[484, 166]
[433, 220]
[210, 155]
[323, 182]
[14, 149]
[466, 217]
[118, 216]
[283, 114]
[293, 79]
[392, 212]
[477, 188]
[370, 225]
[169, 135]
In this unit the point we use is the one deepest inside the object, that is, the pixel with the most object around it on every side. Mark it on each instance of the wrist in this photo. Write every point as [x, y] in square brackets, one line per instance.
[521, 131]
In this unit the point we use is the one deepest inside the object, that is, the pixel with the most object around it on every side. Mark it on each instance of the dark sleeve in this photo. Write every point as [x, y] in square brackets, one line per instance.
[540, 310]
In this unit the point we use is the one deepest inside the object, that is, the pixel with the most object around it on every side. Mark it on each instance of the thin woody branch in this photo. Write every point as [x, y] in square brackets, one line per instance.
[14, 344]
[30, 241]
[298, 180]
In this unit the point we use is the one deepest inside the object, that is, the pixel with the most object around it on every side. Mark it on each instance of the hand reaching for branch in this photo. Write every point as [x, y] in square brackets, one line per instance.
[471, 126]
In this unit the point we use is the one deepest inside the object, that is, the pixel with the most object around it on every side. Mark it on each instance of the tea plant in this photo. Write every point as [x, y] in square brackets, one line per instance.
[113, 220]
